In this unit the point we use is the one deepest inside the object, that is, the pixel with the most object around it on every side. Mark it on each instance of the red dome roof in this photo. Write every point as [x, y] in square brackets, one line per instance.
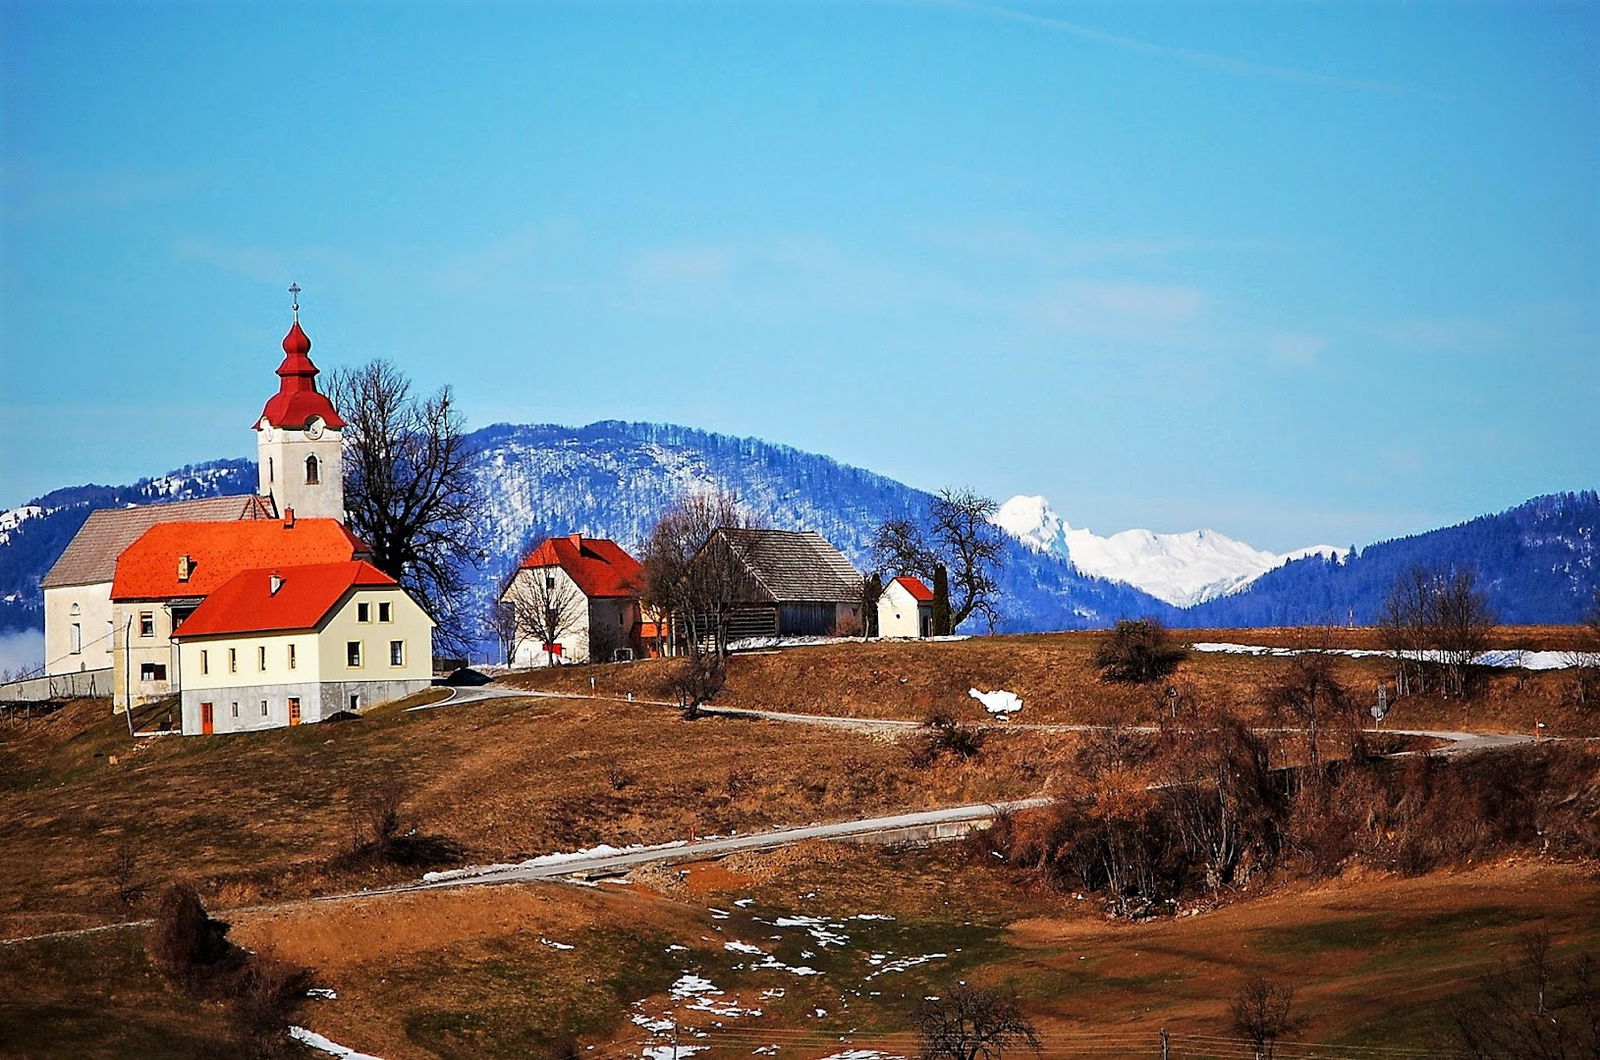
[297, 401]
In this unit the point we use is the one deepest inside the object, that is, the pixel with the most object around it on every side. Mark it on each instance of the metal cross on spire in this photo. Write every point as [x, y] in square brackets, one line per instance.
[294, 293]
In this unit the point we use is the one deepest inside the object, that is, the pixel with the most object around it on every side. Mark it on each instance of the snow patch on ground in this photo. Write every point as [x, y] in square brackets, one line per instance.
[1503, 658]
[324, 1045]
[1000, 703]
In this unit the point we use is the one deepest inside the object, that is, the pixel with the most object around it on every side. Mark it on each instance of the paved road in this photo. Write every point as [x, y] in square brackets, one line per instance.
[618, 863]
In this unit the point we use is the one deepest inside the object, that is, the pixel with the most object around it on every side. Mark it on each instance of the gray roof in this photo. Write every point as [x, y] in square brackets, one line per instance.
[796, 566]
[91, 555]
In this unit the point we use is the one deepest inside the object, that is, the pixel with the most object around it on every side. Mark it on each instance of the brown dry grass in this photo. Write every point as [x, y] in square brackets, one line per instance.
[257, 817]
[1053, 675]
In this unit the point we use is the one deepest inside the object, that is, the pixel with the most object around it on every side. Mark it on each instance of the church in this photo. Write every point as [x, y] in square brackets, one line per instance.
[122, 595]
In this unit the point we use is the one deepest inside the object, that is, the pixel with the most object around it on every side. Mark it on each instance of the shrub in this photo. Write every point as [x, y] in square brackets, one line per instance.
[380, 833]
[695, 681]
[942, 734]
[269, 994]
[190, 948]
[1138, 652]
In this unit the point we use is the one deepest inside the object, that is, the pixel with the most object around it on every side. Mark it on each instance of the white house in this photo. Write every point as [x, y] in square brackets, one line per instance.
[574, 599]
[905, 609]
[290, 645]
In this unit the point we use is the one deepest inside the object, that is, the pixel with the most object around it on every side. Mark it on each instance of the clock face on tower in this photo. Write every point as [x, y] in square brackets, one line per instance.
[314, 430]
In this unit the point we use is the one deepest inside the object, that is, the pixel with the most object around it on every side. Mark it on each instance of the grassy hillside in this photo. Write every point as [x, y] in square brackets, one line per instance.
[261, 821]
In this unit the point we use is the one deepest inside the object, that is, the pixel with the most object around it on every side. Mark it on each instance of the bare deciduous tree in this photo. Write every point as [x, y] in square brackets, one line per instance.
[698, 593]
[962, 540]
[409, 488]
[545, 606]
[1261, 1015]
[501, 620]
[966, 1023]
[1308, 695]
[1435, 620]
[1584, 659]
[1532, 1007]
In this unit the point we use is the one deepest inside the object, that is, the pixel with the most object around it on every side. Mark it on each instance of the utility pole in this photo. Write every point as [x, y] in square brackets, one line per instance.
[1166, 1045]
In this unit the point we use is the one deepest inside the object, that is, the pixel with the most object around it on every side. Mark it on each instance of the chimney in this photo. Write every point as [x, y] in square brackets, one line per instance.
[288, 518]
[185, 567]
[274, 583]
[576, 539]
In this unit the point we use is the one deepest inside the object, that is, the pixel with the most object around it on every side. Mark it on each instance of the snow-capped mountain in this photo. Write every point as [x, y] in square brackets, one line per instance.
[1181, 569]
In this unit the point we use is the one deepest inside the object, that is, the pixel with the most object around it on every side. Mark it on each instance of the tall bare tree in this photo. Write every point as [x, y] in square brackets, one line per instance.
[967, 1023]
[1462, 626]
[699, 594]
[1308, 694]
[545, 606]
[1435, 620]
[960, 537]
[409, 488]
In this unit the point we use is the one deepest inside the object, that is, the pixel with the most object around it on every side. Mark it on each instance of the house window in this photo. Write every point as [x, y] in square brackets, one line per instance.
[549, 579]
[147, 623]
[263, 708]
[76, 637]
[236, 709]
[313, 471]
[352, 653]
[355, 701]
[397, 653]
[363, 612]
[76, 610]
[261, 658]
[291, 656]
[152, 672]
[205, 661]
[233, 660]
[385, 612]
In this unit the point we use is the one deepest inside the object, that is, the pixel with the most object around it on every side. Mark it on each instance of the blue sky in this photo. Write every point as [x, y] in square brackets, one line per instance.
[1296, 272]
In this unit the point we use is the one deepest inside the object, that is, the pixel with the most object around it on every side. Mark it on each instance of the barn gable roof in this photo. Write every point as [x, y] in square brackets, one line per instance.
[793, 566]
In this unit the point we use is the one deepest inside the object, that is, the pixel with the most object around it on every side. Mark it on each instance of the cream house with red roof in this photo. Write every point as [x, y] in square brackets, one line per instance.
[905, 609]
[286, 645]
[577, 600]
[172, 568]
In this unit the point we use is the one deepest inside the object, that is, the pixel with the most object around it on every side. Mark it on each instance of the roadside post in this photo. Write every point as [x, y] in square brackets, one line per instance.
[1380, 708]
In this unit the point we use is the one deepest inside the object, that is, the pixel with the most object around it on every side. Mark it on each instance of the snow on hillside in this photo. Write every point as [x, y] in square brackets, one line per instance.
[1180, 569]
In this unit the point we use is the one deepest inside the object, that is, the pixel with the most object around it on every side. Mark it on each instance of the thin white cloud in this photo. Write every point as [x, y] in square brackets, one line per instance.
[1209, 60]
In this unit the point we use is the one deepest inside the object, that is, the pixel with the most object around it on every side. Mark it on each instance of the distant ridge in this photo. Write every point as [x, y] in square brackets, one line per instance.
[613, 479]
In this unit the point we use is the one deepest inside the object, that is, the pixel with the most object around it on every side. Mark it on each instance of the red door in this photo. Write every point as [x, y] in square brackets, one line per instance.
[207, 726]
[294, 710]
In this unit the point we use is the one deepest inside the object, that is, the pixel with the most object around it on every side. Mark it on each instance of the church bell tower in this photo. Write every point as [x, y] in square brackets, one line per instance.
[298, 441]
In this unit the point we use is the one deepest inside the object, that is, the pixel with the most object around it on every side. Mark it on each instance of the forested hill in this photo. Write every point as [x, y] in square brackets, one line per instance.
[1538, 562]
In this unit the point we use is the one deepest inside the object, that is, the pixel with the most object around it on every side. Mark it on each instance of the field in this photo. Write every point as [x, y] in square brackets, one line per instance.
[833, 944]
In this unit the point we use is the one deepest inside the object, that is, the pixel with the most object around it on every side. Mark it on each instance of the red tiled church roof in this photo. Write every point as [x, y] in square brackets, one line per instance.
[246, 602]
[148, 569]
[297, 401]
[919, 592]
[598, 566]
